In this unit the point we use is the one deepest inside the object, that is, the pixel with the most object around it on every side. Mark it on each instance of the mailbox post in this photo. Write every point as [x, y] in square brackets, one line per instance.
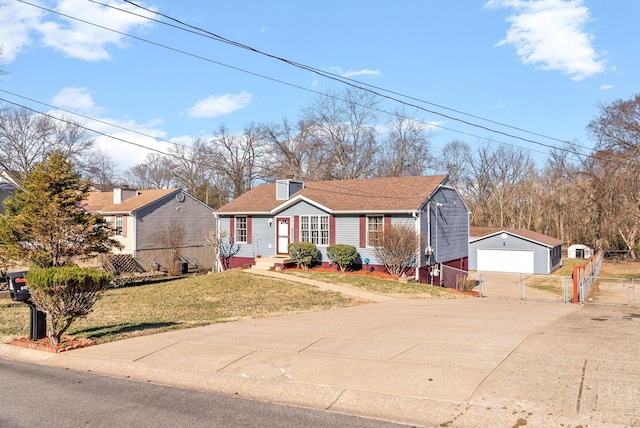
[19, 292]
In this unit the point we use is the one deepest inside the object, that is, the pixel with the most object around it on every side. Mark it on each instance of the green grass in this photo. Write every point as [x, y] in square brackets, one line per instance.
[188, 302]
[209, 299]
[378, 285]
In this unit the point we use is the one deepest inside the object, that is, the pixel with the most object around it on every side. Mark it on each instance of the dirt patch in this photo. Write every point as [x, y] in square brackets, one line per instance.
[67, 343]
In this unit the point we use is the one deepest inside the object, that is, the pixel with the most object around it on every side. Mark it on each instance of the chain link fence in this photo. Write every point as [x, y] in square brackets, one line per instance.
[549, 288]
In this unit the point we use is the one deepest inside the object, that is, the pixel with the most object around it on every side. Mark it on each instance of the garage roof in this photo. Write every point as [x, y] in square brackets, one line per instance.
[478, 233]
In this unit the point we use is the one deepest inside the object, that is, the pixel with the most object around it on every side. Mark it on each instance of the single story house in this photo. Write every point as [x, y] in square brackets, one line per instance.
[144, 220]
[266, 219]
[579, 251]
[496, 249]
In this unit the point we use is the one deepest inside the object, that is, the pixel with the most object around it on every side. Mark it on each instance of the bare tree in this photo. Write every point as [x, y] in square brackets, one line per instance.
[171, 240]
[612, 175]
[236, 156]
[156, 172]
[74, 141]
[292, 151]
[397, 248]
[102, 171]
[193, 168]
[455, 160]
[224, 248]
[25, 138]
[344, 123]
[406, 149]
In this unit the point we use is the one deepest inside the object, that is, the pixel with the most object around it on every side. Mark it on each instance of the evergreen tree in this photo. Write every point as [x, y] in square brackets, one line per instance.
[45, 221]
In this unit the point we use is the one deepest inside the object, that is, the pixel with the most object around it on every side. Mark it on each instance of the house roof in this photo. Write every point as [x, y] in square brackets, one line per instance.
[9, 180]
[103, 201]
[364, 195]
[477, 233]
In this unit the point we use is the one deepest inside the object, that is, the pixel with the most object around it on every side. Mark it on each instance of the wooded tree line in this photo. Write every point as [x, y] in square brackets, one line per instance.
[578, 195]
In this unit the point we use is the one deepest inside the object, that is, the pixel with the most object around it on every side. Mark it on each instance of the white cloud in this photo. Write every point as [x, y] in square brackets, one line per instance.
[123, 141]
[363, 72]
[78, 99]
[16, 22]
[19, 22]
[218, 105]
[606, 87]
[126, 141]
[550, 34]
[354, 73]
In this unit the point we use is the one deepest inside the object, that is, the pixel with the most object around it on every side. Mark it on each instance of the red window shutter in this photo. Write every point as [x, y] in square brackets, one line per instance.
[249, 234]
[332, 230]
[387, 222]
[296, 228]
[232, 227]
[124, 226]
[363, 231]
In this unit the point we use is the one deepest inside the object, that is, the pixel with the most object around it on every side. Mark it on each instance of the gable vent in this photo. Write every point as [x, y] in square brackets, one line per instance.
[287, 188]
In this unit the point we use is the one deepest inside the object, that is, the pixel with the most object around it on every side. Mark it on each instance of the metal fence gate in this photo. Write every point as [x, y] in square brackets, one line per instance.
[549, 288]
[610, 291]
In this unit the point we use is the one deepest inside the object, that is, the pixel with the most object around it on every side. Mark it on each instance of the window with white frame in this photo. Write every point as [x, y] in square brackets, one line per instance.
[117, 225]
[375, 228]
[241, 229]
[314, 229]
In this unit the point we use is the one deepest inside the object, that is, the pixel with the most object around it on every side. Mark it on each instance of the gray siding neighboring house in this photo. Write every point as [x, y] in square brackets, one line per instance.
[494, 249]
[139, 218]
[263, 221]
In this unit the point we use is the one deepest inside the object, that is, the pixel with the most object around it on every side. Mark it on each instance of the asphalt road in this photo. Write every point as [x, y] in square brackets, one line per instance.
[38, 396]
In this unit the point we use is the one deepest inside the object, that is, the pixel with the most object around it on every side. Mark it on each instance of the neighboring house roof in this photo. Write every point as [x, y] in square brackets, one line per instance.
[477, 233]
[9, 180]
[362, 195]
[102, 202]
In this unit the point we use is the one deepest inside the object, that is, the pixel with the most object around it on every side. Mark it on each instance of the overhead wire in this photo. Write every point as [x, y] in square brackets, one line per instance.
[206, 33]
[322, 73]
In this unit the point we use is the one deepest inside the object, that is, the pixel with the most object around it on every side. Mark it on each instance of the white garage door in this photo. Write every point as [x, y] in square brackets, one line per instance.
[516, 261]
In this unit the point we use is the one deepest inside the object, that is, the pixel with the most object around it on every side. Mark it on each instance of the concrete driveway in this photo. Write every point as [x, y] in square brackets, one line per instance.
[466, 362]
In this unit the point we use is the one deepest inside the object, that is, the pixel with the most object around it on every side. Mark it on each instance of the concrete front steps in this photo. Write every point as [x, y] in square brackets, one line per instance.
[273, 263]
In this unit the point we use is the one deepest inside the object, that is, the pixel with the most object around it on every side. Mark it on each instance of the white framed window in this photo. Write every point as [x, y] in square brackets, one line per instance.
[241, 229]
[375, 229]
[314, 229]
[117, 225]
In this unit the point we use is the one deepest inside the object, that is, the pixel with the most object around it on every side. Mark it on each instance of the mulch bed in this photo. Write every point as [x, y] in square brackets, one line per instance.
[67, 343]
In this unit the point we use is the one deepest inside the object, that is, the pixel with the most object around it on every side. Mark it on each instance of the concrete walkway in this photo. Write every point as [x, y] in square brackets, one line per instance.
[348, 291]
[456, 363]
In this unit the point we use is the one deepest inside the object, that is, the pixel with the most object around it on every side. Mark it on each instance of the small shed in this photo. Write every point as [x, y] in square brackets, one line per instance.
[493, 249]
[579, 251]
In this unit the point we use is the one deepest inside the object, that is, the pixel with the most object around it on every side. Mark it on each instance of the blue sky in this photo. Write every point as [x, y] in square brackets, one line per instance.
[541, 66]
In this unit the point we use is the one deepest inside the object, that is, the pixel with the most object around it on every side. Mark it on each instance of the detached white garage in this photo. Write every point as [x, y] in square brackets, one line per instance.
[515, 261]
[513, 251]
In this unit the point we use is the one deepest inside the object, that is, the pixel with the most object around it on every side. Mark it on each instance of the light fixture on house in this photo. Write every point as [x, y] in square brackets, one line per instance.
[270, 221]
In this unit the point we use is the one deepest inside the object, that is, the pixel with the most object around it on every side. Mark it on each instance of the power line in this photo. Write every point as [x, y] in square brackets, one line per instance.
[355, 83]
[325, 74]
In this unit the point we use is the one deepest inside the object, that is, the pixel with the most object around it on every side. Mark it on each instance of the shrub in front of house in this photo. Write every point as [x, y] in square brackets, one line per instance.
[342, 255]
[304, 253]
[65, 294]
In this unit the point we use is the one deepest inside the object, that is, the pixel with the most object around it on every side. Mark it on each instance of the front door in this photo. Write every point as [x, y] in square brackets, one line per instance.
[283, 236]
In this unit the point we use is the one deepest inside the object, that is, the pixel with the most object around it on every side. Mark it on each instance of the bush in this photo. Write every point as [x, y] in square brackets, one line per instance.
[397, 249]
[342, 255]
[304, 253]
[65, 294]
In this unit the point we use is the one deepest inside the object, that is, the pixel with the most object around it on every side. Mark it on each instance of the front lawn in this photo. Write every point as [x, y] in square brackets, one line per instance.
[182, 303]
[209, 299]
[377, 283]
